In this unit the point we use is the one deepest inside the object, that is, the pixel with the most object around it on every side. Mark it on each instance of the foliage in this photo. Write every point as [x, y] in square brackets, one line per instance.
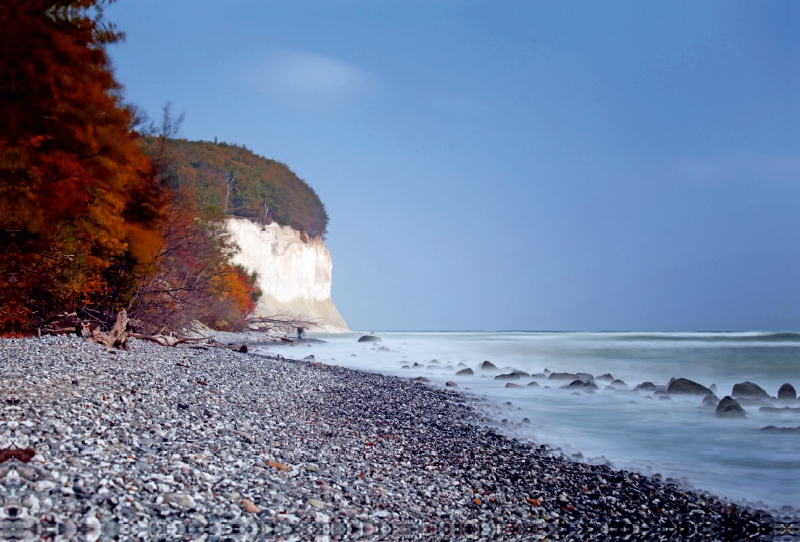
[200, 168]
[191, 278]
[90, 223]
[80, 211]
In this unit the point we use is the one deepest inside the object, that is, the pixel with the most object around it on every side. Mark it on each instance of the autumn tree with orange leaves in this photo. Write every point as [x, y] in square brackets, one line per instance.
[82, 211]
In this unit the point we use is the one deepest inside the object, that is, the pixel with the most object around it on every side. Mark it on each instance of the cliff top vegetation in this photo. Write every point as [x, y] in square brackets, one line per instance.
[233, 179]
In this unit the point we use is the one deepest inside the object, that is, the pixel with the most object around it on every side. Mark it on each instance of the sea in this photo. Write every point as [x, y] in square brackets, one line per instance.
[677, 438]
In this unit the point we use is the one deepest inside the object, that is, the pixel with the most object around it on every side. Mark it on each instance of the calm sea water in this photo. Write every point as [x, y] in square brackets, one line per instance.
[676, 438]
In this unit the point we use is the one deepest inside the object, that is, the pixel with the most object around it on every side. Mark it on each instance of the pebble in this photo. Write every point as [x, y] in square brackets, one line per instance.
[132, 443]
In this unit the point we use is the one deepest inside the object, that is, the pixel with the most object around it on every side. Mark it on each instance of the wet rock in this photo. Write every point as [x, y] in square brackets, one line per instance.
[605, 378]
[665, 397]
[533, 383]
[546, 371]
[684, 386]
[729, 408]
[309, 357]
[488, 366]
[522, 374]
[465, 372]
[405, 367]
[509, 376]
[586, 377]
[711, 399]
[369, 339]
[645, 386]
[787, 393]
[451, 384]
[562, 376]
[749, 390]
[781, 410]
[618, 385]
[180, 500]
[417, 365]
[461, 364]
[580, 384]
[526, 421]
[420, 379]
[781, 429]
[512, 385]
[713, 387]
[539, 375]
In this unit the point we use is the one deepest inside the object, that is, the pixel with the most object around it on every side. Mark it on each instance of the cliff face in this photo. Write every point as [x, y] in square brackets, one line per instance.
[295, 276]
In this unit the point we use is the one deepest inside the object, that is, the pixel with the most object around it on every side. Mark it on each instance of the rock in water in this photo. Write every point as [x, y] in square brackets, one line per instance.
[645, 386]
[787, 393]
[533, 383]
[729, 408]
[465, 372]
[369, 339]
[451, 384]
[618, 385]
[684, 386]
[580, 384]
[711, 399]
[605, 378]
[586, 377]
[749, 390]
[521, 373]
[562, 376]
[488, 366]
[512, 385]
[509, 376]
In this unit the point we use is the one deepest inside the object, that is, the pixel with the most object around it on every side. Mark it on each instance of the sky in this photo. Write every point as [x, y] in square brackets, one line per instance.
[516, 165]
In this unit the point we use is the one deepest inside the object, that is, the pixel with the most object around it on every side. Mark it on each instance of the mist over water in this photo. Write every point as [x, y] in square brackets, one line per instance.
[677, 438]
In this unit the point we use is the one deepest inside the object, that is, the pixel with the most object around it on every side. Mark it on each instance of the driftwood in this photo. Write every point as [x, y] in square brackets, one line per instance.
[167, 340]
[117, 337]
[282, 322]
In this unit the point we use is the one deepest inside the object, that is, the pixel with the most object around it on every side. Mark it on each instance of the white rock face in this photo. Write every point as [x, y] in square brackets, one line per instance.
[295, 276]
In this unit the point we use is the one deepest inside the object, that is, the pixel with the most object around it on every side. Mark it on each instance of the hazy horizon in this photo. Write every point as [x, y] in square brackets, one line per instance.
[524, 165]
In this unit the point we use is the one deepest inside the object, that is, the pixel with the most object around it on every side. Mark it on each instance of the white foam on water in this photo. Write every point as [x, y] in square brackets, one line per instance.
[677, 438]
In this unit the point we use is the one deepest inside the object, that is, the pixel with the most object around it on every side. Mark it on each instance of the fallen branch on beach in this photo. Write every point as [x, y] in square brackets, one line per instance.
[283, 322]
[117, 337]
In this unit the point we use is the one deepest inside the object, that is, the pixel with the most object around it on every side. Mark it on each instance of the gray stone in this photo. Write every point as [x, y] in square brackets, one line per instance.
[729, 408]
[369, 339]
[488, 366]
[749, 390]
[562, 376]
[787, 393]
[684, 386]
[180, 500]
[580, 384]
[465, 372]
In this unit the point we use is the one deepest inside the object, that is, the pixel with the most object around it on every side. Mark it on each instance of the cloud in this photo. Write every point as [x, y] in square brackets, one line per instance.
[310, 79]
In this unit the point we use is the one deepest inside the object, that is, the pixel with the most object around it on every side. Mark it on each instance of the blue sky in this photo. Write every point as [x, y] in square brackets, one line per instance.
[512, 165]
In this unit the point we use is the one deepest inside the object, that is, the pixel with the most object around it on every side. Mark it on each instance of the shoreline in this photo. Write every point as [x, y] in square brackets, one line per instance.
[269, 444]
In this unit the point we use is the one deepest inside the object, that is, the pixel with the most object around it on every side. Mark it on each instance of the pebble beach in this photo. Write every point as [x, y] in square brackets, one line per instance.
[203, 443]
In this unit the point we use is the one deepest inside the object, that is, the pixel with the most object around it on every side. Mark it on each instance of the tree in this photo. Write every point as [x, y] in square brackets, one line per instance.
[80, 210]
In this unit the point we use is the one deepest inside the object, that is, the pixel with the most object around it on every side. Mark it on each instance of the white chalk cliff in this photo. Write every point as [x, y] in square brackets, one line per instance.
[294, 275]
